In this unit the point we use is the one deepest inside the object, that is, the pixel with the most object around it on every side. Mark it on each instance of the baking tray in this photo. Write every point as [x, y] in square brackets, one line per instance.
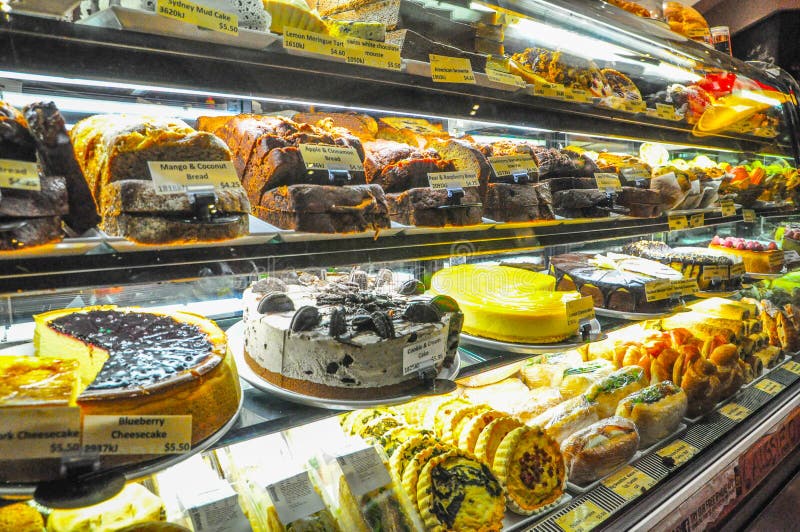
[122, 18]
[48, 8]
[236, 344]
[513, 522]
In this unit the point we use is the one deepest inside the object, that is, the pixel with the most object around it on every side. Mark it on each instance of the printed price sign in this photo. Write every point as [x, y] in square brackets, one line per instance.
[685, 287]
[632, 173]
[364, 471]
[711, 273]
[629, 482]
[734, 411]
[171, 177]
[748, 215]
[607, 181]
[440, 180]
[137, 434]
[727, 207]
[793, 367]
[572, 94]
[579, 310]
[327, 157]
[697, 220]
[775, 260]
[20, 175]
[769, 386]
[506, 165]
[47, 432]
[505, 78]
[658, 290]
[549, 90]
[583, 518]
[677, 223]
[313, 43]
[199, 15]
[372, 53]
[295, 498]
[421, 355]
[737, 270]
[446, 69]
[665, 111]
[678, 452]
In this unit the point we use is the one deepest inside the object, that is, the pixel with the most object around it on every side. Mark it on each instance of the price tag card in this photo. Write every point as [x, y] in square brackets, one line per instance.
[769, 386]
[727, 207]
[505, 78]
[665, 111]
[572, 94]
[607, 181]
[677, 223]
[364, 471]
[748, 215]
[711, 273]
[199, 15]
[446, 69]
[295, 498]
[549, 90]
[421, 355]
[327, 157]
[629, 482]
[685, 287]
[793, 367]
[697, 220]
[137, 434]
[734, 411]
[19, 175]
[632, 173]
[505, 165]
[658, 290]
[579, 310]
[737, 270]
[583, 518]
[775, 259]
[313, 43]
[678, 451]
[637, 106]
[440, 180]
[697, 32]
[174, 177]
[372, 53]
[46, 432]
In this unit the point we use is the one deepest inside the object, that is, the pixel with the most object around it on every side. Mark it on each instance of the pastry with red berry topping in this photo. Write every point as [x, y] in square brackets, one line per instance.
[758, 257]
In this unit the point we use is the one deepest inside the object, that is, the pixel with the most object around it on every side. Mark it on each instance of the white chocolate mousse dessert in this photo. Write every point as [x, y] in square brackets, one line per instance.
[352, 338]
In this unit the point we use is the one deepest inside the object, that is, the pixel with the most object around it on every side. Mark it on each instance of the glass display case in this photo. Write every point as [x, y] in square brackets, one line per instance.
[438, 236]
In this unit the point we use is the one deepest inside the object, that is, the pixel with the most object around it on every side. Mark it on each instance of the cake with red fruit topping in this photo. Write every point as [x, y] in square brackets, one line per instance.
[758, 257]
[791, 239]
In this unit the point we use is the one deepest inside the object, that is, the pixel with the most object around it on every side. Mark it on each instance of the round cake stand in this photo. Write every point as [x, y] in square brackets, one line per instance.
[236, 345]
[531, 349]
[637, 316]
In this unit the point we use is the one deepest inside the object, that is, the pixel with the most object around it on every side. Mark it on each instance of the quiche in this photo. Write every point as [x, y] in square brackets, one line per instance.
[491, 437]
[456, 491]
[392, 439]
[469, 434]
[416, 464]
[530, 466]
[458, 421]
[407, 451]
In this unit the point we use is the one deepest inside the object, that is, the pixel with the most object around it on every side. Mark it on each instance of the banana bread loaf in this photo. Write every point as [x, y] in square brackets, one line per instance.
[426, 207]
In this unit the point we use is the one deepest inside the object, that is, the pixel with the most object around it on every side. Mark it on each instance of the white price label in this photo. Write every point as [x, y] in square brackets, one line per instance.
[46, 432]
[137, 434]
[175, 177]
[506, 165]
[19, 174]
[440, 180]
[364, 471]
[607, 181]
[295, 498]
[327, 157]
[424, 354]
[220, 514]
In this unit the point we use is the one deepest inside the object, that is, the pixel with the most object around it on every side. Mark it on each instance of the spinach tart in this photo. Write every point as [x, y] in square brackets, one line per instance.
[456, 491]
[407, 451]
[414, 467]
[530, 466]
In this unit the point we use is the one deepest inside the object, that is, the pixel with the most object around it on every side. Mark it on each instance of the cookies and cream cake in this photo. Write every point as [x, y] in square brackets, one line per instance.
[348, 338]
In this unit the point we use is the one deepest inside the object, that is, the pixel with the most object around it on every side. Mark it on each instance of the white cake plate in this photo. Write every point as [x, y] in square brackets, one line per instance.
[236, 344]
[637, 316]
[531, 349]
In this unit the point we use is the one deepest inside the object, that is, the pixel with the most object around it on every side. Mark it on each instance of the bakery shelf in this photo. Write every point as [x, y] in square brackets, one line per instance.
[149, 264]
[37, 50]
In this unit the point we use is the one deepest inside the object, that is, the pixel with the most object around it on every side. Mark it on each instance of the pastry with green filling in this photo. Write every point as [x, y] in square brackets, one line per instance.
[610, 390]
[656, 410]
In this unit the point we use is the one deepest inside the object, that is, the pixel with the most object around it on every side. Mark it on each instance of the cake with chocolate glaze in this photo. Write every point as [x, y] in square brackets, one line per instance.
[348, 338]
[615, 281]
